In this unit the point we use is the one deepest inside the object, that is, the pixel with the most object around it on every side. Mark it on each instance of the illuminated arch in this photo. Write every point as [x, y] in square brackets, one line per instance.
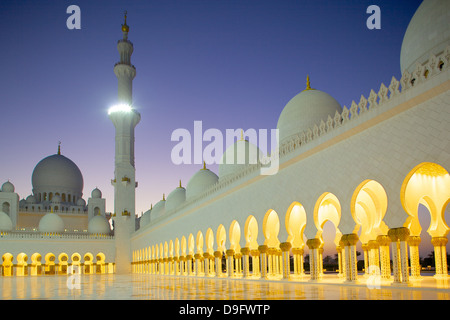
[170, 249]
[251, 233]
[177, 247]
[295, 222]
[199, 242]
[209, 241]
[271, 228]
[183, 246]
[368, 207]
[221, 237]
[235, 236]
[327, 208]
[191, 245]
[427, 184]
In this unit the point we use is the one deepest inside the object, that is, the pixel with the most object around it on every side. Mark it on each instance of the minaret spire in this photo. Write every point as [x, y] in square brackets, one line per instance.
[123, 69]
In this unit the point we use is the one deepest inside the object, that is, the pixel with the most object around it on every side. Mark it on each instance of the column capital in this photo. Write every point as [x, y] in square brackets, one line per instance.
[414, 241]
[285, 246]
[383, 240]
[245, 251]
[439, 241]
[230, 252]
[372, 244]
[297, 251]
[206, 255]
[401, 234]
[218, 254]
[313, 243]
[349, 239]
[254, 253]
[263, 249]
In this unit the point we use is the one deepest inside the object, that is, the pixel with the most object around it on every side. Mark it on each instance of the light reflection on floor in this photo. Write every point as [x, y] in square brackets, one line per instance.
[146, 286]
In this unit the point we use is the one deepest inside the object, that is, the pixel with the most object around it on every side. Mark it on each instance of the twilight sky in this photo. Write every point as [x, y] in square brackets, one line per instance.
[229, 63]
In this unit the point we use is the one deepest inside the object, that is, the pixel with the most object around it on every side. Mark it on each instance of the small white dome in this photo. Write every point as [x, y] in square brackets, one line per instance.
[7, 187]
[145, 219]
[201, 181]
[5, 222]
[56, 198]
[96, 193]
[240, 155]
[158, 209]
[31, 199]
[175, 198]
[428, 33]
[51, 222]
[99, 224]
[305, 110]
[81, 202]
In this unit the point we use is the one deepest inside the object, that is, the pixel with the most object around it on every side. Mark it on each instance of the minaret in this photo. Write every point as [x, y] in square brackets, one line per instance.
[125, 118]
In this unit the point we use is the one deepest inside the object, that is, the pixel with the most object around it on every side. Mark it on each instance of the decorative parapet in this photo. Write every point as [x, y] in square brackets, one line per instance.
[18, 235]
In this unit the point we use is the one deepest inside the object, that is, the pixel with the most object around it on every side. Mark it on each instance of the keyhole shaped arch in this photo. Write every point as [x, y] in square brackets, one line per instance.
[295, 222]
[368, 207]
[235, 236]
[428, 184]
[209, 237]
[251, 233]
[327, 208]
[271, 229]
[221, 238]
[199, 241]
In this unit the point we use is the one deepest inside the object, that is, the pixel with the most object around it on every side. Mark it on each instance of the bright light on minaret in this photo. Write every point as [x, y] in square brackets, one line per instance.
[125, 108]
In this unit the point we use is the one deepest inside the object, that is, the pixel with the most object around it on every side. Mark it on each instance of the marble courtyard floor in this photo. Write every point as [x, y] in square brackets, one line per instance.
[156, 287]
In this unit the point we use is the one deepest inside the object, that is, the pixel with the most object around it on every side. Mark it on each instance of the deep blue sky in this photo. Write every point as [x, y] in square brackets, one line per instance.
[229, 63]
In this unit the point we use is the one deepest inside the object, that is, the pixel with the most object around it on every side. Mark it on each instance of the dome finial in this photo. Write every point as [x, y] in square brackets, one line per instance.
[59, 147]
[204, 165]
[242, 134]
[125, 27]
[180, 184]
[164, 197]
[308, 83]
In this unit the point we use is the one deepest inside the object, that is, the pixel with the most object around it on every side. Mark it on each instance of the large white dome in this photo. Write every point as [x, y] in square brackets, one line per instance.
[5, 222]
[56, 173]
[305, 110]
[51, 222]
[238, 156]
[175, 198]
[428, 33]
[201, 181]
[99, 225]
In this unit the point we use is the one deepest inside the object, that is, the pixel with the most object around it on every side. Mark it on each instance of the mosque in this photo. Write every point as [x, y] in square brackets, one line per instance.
[365, 168]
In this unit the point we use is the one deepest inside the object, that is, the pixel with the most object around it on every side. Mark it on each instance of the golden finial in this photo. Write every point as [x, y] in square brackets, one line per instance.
[308, 83]
[180, 184]
[204, 165]
[242, 134]
[59, 147]
[125, 27]
[164, 197]
[151, 206]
